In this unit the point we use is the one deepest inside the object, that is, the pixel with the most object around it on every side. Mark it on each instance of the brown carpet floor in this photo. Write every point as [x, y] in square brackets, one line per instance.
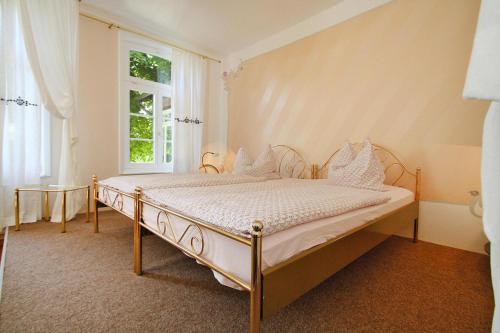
[82, 282]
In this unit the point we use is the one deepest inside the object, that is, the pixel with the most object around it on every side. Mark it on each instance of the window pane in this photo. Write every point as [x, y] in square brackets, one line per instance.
[166, 104]
[169, 133]
[141, 103]
[149, 67]
[141, 127]
[141, 151]
[167, 129]
[167, 153]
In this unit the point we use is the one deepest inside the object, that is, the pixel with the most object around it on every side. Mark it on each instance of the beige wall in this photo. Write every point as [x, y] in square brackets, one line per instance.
[394, 74]
[97, 121]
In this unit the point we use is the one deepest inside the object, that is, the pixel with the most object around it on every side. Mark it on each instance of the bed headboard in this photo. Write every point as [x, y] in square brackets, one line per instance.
[291, 164]
[396, 173]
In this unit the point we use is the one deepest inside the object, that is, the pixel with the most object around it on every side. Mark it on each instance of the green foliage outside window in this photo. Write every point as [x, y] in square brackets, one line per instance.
[141, 151]
[141, 103]
[149, 67]
[141, 127]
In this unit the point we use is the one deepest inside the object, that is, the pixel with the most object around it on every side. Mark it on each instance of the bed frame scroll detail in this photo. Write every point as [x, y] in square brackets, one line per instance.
[396, 173]
[290, 163]
[254, 243]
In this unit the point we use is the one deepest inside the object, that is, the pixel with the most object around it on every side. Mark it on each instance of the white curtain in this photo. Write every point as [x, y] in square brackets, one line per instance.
[189, 105]
[483, 82]
[50, 29]
[20, 125]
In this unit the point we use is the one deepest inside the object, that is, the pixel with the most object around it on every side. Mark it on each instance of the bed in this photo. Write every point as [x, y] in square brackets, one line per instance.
[275, 268]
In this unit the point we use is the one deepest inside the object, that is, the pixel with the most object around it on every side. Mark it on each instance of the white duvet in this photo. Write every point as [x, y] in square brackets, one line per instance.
[284, 204]
[169, 180]
[279, 205]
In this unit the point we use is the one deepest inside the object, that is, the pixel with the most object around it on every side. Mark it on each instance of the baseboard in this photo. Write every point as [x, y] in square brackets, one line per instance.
[449, 225]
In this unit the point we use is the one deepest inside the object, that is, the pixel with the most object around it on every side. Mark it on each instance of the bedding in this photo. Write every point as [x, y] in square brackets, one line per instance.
[264, 165]
[278, 246]
[343, 158]
[278, 204]
[365, 171]
[242, 161]
[234, 257]
[163, 180]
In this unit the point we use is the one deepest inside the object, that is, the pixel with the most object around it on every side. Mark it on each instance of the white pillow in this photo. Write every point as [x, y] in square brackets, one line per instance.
[242, 160]
[365, 171]
[264, 165]
[342, 158]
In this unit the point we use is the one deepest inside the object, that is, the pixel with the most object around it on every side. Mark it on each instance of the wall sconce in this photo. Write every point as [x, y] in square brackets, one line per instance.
[231, 75]
[476, 204]
[476, 209]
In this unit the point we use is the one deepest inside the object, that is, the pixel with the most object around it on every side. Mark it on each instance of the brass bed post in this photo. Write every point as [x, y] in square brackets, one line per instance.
[417, 199]
[137, 232]
[256, 278]
[314, 171]
[96, 207]
[16, 209]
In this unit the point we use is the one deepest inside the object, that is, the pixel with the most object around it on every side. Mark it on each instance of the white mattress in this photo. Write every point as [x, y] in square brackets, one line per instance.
[234, 257]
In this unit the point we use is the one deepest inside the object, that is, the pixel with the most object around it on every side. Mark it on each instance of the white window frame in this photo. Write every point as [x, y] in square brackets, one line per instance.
[130, 42]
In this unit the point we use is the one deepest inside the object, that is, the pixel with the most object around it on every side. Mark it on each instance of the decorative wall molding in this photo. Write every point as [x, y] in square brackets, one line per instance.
[332, 16]
[229, 75]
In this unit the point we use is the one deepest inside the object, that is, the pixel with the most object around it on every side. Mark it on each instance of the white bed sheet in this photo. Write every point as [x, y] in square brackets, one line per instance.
[234, 257]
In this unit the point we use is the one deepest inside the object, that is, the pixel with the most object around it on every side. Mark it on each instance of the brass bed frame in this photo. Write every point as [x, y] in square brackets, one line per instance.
[275, 287]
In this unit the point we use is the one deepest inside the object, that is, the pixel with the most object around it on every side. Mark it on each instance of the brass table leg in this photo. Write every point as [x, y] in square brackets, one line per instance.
[96, 208]
[88, 203]
[16, 209]
[63, 213]
[46, 213]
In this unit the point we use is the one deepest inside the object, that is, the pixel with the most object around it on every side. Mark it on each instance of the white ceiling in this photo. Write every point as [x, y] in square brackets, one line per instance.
[217, 26]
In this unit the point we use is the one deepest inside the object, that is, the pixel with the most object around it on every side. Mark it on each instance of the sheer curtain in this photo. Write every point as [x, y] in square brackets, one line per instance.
[189, 105]
[20, 125]
[483, 82]
[50, 29]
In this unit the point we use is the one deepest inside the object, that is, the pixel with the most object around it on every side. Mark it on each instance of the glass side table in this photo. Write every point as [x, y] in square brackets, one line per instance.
[46, 189]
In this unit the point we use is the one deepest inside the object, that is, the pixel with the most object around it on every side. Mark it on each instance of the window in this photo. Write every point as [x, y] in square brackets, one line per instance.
[145, 106]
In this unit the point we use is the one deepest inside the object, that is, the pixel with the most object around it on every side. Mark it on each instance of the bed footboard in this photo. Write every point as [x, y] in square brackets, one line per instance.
[192, 243]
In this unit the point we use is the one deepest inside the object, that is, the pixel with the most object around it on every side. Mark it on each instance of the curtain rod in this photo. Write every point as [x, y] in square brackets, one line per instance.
[113, 25]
